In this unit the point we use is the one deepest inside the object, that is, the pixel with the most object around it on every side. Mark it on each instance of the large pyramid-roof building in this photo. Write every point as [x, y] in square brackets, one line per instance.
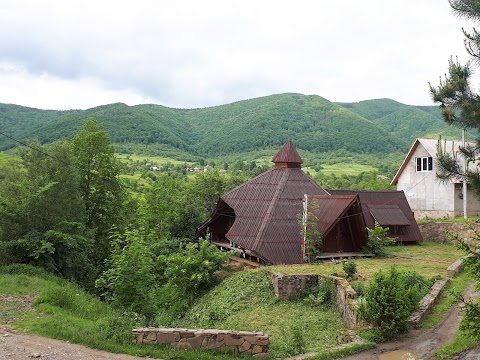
[260, 217]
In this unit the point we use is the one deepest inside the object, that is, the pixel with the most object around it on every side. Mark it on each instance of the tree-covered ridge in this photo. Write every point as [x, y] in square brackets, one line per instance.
[404, 121]
[312, 122]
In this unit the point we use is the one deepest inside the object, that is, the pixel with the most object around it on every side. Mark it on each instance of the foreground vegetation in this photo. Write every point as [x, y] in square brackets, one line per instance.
[63, 311]
[243, 301]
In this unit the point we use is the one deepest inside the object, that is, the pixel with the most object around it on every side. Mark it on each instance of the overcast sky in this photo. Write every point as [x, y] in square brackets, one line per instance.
[199, 53]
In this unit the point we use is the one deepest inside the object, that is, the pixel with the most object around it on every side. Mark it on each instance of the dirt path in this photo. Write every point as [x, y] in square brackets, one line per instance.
[424, 343]
[14, 346]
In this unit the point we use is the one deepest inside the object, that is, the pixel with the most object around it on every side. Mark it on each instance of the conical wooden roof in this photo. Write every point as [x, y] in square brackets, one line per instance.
[287, 154]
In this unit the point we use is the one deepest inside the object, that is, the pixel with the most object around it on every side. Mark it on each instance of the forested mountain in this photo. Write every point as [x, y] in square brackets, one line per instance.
[312, 122]
[404, 121]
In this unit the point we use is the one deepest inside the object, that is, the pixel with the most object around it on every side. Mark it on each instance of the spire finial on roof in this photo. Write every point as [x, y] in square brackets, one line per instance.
[287, 154]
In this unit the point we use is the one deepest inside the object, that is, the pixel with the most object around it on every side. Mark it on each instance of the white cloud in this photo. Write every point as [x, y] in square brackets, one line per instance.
[187, 53]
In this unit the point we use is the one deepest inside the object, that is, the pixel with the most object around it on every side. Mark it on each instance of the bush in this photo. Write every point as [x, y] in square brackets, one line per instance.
[377, 240]
[358, 286]
[387, 303]
[349, 267]
[418, 285]
[325, 293]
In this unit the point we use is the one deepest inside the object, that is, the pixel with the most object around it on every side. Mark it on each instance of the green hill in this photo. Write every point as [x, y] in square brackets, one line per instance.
[403, 120]
[314, 124]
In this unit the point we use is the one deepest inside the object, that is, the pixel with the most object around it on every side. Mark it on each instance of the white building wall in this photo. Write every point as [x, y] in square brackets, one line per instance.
[473, 204]
[427, 195]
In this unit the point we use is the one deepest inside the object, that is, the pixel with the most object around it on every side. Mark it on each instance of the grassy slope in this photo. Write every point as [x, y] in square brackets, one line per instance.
[64, 312]
[246, 301]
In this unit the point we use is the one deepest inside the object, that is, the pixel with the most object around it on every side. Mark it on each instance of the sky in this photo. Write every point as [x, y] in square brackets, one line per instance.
[73, 54]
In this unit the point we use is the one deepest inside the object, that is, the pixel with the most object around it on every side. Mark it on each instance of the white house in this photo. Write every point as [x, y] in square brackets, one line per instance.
[427, 195]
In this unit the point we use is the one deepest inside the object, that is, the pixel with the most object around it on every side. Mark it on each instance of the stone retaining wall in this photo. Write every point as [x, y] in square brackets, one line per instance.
[438, 231]
[428, 302]
[346, 301]
[290, 286]
[243, 342]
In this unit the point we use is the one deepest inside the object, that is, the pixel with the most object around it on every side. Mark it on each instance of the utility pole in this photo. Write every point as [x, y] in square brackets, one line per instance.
[464, 179]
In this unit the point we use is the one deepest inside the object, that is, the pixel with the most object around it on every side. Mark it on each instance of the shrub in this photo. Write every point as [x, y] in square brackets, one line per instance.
[387, 303]
[377, 240]
[349, 267]
[416, 283]
[324, 293]
[358, 286]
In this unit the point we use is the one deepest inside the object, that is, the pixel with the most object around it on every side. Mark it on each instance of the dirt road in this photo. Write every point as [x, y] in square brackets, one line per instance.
[14, 346]
[424, 344]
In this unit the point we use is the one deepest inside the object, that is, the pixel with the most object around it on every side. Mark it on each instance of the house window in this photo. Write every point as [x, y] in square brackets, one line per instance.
[424, 163]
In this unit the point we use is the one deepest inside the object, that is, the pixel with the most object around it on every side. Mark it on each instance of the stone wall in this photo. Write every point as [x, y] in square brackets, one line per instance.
[428, 302]
[438, 231]
[243, 342]
[290, 286]
[346, 301]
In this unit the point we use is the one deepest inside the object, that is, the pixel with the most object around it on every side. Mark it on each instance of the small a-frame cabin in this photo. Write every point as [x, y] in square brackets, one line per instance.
[259, 219]
[390, 209]
[340, 222]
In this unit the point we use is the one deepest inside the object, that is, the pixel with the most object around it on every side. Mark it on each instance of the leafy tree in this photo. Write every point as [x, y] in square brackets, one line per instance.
[100, 188]
[308, 222]
[130, 279]
[162, 204]
[42, 213]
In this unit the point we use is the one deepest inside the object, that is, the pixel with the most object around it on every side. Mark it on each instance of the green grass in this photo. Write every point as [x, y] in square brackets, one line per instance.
[459, 219]
[462, 341]
[152, 159]
[457, 346]
[427, 258]
[340, 169]
[246, 301]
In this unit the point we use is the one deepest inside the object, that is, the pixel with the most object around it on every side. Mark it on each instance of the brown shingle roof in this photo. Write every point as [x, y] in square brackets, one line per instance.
[329, 209]
[266, 210]
[287, 154]
[371, 199]
[389, 214]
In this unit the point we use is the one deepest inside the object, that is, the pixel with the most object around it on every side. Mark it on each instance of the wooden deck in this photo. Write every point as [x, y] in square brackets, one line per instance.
[245, 262]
